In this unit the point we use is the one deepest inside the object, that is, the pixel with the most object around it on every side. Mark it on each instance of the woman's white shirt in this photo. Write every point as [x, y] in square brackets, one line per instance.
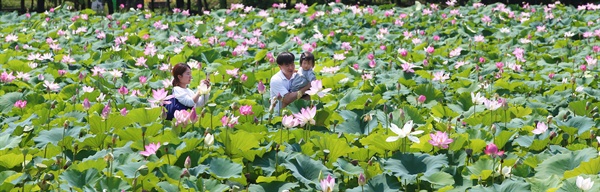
[186, 97]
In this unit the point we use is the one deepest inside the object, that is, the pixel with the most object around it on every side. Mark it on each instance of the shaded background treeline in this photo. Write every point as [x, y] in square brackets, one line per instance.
[197, 6]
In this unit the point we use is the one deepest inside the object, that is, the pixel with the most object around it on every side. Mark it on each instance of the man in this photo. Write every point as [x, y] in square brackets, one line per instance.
[281, 82]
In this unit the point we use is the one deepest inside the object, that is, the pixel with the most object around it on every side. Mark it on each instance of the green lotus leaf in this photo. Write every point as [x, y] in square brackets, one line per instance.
[224, 169]
[481, 169]
[10, 160]
[354, 123]
[560, 163]
[272, 186]
[214, 185]
[306, 170]
[8, 100]
[582, 124]
[112, 184]
[144, 116]
[8, 142]
[56, 135]
[439, 179]
[586, 168]
[410, 166]
[81, 179]
[380, 182]
[507, 185]
[347, 167]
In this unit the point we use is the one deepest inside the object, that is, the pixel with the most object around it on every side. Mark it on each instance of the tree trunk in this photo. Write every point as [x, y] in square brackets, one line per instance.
[200, 12]
[23, 6]
[223, 4]
[189, 5]
[179, 4]
[40, 6]
[206, 7]
[111, 8]
[31, 7]
[152, 5]
[168, 5]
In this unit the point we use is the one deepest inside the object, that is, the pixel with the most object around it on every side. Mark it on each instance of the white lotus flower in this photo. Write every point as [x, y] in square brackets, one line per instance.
[540, 128]
[404, 132]
[584, 184]
[203, 89]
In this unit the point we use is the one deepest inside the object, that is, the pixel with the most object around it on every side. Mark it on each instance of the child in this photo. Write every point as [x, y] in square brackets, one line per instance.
[306, 73]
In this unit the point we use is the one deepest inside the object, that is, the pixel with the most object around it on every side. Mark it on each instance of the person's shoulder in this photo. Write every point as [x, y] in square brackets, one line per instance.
[276, 77]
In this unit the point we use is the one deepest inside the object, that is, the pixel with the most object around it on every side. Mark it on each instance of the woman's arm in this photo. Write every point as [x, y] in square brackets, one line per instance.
[202, 100]
[185, 97]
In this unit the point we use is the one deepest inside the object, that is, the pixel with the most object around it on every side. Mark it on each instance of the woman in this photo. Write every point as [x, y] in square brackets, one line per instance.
[184, 97]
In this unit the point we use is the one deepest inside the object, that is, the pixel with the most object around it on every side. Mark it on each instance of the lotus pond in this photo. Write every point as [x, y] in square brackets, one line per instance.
[429, 97]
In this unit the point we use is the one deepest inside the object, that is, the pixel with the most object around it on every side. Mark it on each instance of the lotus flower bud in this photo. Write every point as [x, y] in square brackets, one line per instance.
[66, 124]
[188, 162]
[361, 179]
[354, 162]
[367, 117]
[549, 119]
[552, 135]
[209, 139]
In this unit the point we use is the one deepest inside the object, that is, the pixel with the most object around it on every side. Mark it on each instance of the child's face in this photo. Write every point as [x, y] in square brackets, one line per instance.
[307, 65]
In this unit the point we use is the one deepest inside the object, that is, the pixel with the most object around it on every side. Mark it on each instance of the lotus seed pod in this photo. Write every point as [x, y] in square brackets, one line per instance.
[143, 170]
[49, 177]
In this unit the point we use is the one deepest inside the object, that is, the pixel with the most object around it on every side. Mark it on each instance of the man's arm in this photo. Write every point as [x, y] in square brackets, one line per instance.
[292, 96]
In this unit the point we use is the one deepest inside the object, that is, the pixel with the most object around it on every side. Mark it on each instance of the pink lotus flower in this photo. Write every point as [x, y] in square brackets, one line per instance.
[160, 97]
[316, 88]
[229, 122]
[150, 149]
[481, 59]
[408, 67]
[143, 79]
[51, 86]
[429, 49]
[20, 104]
[288, 121]
[233, 72]
[551, 75]
[62, 72]
[328, 184]
[355, 66]
[86, 104]
[193, 115]
[7, 77]
[422, 99]
[306, 115]
[246, 110]
[244, 77]
[124, 111]
[492, 150]
[362, 180]
[182, 117]
[370, 56]
[440, 76]
[261, 87]
[440, 139]
[106, 111]
[123, 90]
[540, 128]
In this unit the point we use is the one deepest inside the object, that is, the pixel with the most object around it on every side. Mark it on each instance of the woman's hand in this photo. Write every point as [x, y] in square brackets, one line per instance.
[206, 82]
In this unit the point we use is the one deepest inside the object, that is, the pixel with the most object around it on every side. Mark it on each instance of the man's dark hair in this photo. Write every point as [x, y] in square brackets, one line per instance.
[285, 58]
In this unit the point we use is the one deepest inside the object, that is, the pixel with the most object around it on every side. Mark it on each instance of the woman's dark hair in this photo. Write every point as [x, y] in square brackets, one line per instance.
[307, 56]
[178, 70]
[285, 58]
